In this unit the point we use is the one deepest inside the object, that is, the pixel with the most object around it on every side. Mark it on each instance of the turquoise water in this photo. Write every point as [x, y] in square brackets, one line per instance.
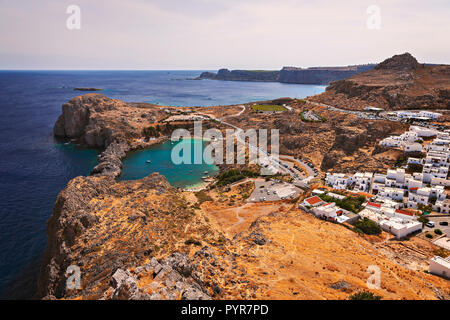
[135, 165]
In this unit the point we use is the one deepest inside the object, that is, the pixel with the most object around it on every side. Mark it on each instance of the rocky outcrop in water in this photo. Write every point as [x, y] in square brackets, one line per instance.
[94, 120]
[110, 160]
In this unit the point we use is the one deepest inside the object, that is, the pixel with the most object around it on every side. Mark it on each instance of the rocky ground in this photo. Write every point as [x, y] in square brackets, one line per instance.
[146, 240]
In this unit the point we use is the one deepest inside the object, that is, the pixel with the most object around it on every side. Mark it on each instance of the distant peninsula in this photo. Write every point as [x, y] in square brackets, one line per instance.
[313, 75]
[87, 89]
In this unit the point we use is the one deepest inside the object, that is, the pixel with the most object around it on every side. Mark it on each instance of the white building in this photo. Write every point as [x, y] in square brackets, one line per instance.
[429, 114]
[388, 219]
[414, 160]
[443, 206]
[328, 210]
[363, 181]
[440, 266]
[395, 194]
[412, 147]
[391, 142]
[423, 132]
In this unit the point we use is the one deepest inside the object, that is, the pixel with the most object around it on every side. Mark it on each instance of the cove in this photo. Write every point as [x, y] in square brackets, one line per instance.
[135, 165]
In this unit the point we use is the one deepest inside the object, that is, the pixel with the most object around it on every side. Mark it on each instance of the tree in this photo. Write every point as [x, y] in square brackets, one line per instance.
[424, 208]
[423, 219]
[367, 226]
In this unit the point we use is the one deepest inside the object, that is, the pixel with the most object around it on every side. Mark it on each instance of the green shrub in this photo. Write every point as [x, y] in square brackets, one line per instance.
[438, 231]
[429, 235]
[364, 295]
[352, 204]
[234, 175]
[367, 226]
[268, 107]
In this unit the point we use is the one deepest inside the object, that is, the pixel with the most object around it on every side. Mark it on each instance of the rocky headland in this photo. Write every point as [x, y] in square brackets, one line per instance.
[399, 82]
[314, 75]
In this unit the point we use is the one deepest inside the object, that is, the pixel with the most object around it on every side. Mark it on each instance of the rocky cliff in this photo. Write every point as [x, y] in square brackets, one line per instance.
[397, 83]
[109, 229]
[241, 75]
[318, 75]
[95, 121]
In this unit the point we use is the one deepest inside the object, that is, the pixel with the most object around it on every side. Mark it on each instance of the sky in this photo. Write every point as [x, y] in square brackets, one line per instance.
[211, 34]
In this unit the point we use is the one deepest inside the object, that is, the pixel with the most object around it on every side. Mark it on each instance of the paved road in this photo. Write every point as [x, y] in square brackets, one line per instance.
[436, 220]
[273, 161]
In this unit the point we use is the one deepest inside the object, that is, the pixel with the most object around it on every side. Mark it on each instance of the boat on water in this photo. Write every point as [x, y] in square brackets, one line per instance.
[148, 161]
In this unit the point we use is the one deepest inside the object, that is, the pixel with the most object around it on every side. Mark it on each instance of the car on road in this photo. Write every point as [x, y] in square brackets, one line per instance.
[443, 223]
[430, 224]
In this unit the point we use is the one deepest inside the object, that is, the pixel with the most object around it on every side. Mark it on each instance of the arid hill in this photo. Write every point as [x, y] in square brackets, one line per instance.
[397, 83]
[145, 240]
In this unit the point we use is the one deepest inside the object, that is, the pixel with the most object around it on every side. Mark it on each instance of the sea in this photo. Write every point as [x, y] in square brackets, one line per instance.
[34, 167]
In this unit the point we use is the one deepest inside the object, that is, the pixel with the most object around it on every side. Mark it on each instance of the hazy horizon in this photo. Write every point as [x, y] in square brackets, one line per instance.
[208, 35]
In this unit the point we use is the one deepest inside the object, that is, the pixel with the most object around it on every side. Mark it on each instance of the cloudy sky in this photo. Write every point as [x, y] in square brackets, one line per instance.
[208, 34]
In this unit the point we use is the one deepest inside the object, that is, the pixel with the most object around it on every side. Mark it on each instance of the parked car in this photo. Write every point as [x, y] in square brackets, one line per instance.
[430, 224]
[443, 223]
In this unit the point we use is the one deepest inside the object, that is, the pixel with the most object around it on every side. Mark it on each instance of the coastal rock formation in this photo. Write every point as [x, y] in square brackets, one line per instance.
[320, 75]
[94, 120]
[316, 75]
[103, 226]
[110, 160]
[397, 83]
[241, 75]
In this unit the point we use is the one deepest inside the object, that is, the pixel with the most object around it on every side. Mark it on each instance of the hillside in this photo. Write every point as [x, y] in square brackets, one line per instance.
[145, 240]
[399, 82]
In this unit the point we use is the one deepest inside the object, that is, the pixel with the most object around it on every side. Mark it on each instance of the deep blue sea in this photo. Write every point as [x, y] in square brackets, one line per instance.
[34, 167]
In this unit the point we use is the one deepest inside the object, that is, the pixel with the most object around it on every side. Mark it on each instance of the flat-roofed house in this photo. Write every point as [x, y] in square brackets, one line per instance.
[440, 266]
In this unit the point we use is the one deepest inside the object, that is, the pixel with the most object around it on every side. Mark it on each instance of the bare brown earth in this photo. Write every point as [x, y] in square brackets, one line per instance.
[397, 83]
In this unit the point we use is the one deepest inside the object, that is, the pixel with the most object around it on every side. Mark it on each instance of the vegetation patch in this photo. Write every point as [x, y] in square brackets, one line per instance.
[268, 107]
[352, 204]
[367, 226]
[364, 295]
[234, 175]
[202, 196]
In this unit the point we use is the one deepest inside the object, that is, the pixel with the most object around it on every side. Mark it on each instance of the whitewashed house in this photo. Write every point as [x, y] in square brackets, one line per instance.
[395, 194]
[442, 206]
[363, 181]
[429, 114]
[412, 147]
[440, 266]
